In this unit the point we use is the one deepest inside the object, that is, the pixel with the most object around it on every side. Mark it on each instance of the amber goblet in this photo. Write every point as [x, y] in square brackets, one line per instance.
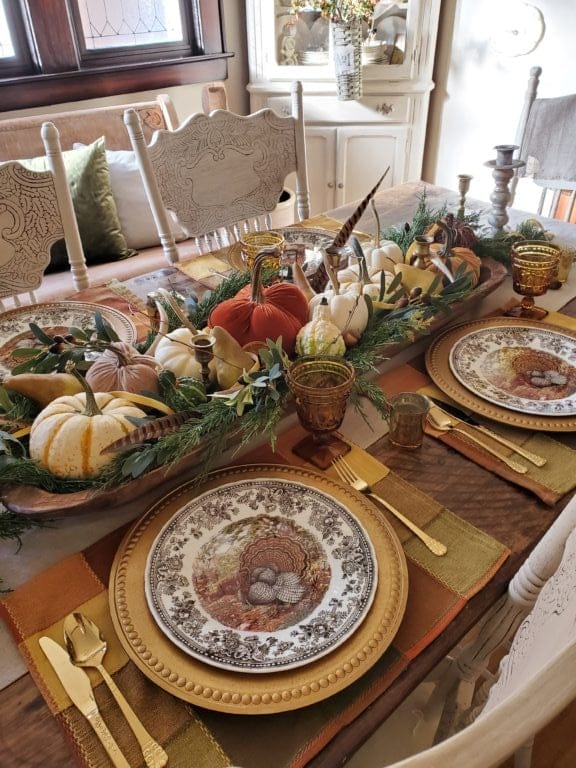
[320, 387]
[534, 268]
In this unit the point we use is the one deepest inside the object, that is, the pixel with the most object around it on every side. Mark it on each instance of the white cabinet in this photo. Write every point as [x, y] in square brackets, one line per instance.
[349, 143]
[344, 163]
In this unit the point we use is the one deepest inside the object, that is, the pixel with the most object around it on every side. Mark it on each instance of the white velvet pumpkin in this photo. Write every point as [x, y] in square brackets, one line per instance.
[175, 352]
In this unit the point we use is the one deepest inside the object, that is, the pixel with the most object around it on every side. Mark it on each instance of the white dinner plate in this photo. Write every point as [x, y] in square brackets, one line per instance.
[531, 370]
[54, 318]
[260, 575]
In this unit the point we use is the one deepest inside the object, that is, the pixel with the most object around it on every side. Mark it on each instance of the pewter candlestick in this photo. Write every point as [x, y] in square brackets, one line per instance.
[503, 169]
[463, 187]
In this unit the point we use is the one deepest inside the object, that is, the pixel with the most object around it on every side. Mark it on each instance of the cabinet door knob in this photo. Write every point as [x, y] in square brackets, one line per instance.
[330, 185]
[340, 185]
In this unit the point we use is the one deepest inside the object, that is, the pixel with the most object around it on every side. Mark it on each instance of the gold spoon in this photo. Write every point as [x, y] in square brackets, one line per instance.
[87, 649]
[444, 423]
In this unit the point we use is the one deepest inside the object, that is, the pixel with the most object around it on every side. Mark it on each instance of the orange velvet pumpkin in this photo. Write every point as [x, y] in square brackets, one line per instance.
[257, 313]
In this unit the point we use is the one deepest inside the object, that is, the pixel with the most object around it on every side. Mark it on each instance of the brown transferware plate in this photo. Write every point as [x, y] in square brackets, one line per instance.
[223, 690]
[439, 369]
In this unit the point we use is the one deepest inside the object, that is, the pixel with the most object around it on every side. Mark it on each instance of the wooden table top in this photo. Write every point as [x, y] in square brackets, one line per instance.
[513, 516]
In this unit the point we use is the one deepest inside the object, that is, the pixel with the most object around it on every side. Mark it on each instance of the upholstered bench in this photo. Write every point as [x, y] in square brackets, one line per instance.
[130, 244]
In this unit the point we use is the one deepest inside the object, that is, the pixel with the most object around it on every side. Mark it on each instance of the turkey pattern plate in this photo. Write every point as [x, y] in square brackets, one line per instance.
[260, 575]
[54, 318]
[531, 370]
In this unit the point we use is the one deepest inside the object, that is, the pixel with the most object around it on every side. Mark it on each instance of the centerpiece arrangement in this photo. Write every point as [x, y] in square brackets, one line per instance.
[83, 412]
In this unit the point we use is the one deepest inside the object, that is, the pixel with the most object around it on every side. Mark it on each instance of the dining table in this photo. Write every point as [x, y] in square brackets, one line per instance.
[490, 520]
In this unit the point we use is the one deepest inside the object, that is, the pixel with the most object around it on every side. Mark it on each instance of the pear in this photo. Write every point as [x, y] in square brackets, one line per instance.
[231, 360]
[43, 387]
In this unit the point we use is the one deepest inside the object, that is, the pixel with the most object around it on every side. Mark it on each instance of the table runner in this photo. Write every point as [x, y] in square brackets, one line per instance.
[439, 589]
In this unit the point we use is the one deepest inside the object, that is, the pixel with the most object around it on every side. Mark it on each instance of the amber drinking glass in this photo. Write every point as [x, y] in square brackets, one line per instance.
[321, 387]
[253, 242]
[534, 268]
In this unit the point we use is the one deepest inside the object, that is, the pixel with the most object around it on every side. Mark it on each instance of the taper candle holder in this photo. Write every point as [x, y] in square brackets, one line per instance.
[503, 169]
[204, 354]
[463, 187]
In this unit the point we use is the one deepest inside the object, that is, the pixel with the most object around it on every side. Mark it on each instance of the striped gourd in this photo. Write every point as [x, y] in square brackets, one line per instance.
[320, 336]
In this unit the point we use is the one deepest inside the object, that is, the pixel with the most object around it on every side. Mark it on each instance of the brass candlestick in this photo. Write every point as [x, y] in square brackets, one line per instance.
[463, 186]
[204, 354]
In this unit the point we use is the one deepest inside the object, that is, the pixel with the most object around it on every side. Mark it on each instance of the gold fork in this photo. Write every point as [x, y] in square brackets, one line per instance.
[348, 475]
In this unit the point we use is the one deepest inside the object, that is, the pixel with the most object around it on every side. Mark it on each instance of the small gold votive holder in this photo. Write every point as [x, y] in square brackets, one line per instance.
[565, 263]
[321, 387]
[407, 419]
[252, 243]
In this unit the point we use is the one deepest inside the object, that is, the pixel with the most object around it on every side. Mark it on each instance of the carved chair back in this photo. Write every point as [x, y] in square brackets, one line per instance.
[545, 135]
[35, 212]
[221, 174]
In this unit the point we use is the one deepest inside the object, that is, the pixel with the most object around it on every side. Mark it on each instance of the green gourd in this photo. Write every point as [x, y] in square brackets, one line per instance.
[320, 336]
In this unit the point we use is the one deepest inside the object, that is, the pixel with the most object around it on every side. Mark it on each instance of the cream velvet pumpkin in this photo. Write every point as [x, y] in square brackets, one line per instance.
[69, 442]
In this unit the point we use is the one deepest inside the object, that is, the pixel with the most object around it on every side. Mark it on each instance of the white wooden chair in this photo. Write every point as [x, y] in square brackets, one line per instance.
[536, 680]
[35, 212]
[221, 174]
[463, 680]
[545, 135]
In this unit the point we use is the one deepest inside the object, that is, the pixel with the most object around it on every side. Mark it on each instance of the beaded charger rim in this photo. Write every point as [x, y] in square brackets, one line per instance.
[248, 693]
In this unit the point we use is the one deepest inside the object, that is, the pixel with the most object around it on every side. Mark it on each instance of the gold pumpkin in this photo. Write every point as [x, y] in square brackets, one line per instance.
[68, 436]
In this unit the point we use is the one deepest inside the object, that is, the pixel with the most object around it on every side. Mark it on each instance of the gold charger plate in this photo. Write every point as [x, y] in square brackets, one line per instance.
[438, 366]
[251, 693]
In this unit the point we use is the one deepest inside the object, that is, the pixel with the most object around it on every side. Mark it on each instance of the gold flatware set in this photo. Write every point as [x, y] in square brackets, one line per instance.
[444, 422]
[348, 475]
[85, 647]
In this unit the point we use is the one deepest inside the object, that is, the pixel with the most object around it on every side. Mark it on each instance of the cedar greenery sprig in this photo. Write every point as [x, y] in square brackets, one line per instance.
[424, 218]
[499, 245]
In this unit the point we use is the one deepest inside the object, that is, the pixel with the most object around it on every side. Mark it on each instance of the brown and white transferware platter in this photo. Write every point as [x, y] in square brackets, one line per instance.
[54, 318]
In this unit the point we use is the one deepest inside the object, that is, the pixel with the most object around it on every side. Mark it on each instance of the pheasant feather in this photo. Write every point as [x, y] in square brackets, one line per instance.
[152, 430]
[342, 237]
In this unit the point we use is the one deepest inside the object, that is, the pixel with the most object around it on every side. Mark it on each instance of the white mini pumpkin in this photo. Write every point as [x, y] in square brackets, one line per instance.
[68, 435]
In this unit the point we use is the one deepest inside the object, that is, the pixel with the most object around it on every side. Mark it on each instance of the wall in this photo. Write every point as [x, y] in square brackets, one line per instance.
[186, 98]
[479, 91]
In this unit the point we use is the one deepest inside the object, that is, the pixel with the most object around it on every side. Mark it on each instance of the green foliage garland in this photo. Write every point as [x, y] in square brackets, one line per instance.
[258, 405]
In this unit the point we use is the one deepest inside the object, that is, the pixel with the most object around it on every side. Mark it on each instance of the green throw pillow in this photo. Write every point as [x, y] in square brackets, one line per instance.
[98, 223]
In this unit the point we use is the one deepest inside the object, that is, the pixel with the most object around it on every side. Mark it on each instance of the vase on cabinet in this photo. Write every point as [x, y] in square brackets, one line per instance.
[347, 52]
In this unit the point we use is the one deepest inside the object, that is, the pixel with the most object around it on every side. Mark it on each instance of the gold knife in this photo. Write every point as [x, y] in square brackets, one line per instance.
[76, 683]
